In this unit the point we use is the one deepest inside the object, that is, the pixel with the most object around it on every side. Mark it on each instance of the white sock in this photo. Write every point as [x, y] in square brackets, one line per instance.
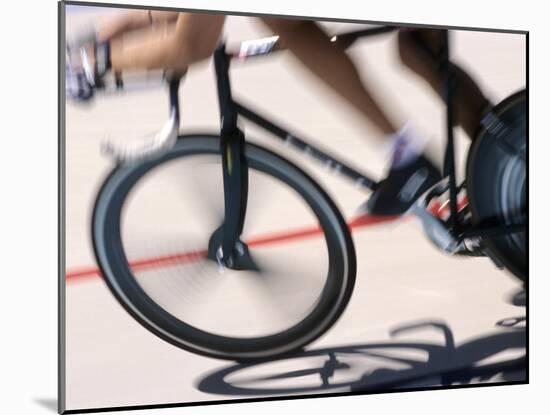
[406, 146]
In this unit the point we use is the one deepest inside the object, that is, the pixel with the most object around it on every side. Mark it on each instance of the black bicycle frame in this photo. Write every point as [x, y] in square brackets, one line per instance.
[235, 169]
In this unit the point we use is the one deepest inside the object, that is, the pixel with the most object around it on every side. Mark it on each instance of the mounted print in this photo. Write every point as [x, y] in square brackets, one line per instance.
[260, 207]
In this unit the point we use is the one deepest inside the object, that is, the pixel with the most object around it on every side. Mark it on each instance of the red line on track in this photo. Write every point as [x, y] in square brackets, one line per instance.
[180, 258]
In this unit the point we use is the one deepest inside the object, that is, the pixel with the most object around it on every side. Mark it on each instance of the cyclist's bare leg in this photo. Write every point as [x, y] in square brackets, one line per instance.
[419, 50]
[312, 46]
[114, 27]
[133, 20]
[193, 39]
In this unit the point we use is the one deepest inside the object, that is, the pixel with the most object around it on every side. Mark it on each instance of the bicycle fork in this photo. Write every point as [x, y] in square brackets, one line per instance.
[225, 245]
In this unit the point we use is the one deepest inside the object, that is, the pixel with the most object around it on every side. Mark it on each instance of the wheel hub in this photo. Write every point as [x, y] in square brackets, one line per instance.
[239, 259]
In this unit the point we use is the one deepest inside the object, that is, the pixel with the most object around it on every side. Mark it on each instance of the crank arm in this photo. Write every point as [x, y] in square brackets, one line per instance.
[434, 227]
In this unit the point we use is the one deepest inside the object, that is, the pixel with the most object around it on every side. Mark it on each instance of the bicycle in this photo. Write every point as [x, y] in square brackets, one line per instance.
[486, 215]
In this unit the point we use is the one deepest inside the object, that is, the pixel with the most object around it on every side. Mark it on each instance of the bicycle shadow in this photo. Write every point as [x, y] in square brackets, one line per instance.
[385, 366]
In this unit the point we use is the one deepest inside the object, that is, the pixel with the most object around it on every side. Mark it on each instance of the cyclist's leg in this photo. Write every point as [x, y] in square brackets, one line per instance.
[419, 50]
[112, 29]
[194, 38]
[133, 20]
[312, 46]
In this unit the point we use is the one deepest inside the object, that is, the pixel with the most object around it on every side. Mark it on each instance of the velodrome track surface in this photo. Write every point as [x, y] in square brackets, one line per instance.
[454, 307]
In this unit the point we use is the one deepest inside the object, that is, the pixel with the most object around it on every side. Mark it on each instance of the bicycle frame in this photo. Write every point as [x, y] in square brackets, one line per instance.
[235, 169]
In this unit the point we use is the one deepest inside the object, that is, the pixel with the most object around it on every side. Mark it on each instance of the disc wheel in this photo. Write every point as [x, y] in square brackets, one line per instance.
[497, 181]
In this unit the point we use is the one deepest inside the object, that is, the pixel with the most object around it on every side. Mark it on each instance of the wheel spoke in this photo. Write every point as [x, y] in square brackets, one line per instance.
[291, 286]
[199, 185]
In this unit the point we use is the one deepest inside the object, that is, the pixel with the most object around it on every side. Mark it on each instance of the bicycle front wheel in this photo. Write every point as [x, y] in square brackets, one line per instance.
[151, 226]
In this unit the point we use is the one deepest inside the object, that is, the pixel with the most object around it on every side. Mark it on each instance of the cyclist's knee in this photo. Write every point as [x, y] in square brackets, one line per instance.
[406, 47]
[421, 48]
[196, 37]
[188, 51]
[200, 50]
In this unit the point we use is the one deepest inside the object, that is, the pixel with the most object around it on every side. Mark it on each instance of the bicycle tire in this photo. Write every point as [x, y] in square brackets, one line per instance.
[110, 256]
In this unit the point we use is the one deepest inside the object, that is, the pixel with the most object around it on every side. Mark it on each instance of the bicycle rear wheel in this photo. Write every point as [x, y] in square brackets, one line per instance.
[151, 226]
[497, 181]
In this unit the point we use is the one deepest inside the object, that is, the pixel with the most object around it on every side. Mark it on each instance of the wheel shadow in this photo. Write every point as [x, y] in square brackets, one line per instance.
[376, 367]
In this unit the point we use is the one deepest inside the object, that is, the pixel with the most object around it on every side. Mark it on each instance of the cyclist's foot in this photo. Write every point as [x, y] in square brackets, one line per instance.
[402, 187]
[410, 175]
